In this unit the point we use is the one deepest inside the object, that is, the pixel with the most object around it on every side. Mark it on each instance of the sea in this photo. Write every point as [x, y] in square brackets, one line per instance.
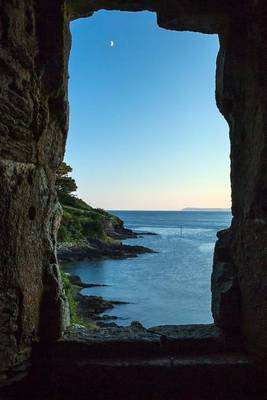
[171, 286]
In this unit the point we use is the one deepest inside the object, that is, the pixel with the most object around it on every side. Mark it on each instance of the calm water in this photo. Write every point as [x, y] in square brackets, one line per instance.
[170, 287]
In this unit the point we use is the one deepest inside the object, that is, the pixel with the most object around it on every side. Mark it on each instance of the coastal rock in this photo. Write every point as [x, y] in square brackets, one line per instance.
[89, 307]
[136, 326]
[141, 234]
[76, 281]
[106, 317]
[119, 232]
[100, 251]
[104, 324]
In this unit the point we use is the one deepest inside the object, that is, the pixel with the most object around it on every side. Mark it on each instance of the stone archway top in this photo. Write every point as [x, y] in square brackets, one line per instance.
[206, 16]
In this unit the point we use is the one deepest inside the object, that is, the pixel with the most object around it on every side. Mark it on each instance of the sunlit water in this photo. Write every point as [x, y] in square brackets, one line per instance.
[169, 287]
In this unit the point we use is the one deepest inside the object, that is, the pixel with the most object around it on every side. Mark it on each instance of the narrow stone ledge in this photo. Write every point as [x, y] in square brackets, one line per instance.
[109, 342]
[135, 340]
[192, 338]
[190, 332]
[134, 333]
[216, 360]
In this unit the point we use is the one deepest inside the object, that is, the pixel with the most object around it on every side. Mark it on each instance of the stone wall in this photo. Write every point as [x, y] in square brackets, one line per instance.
[34, 49]
[241, 97]
[34, 46]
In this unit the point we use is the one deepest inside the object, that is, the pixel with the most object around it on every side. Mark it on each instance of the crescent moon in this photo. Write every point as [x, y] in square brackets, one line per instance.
[111, 43]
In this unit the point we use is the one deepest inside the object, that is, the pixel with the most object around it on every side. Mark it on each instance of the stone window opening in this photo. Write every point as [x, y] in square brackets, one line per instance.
[86, 24]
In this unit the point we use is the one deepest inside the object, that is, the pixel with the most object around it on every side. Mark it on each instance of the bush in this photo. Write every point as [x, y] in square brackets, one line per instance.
[78, 225]
[80, 222]
[70, 294]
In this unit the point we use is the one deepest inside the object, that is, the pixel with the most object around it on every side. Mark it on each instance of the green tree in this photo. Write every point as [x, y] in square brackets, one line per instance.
[64, 183]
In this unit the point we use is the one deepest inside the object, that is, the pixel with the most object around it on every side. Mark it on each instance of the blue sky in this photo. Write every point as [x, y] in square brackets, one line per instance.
[145, 132]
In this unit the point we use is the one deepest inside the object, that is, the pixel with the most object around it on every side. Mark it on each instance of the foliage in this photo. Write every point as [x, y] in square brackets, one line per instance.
[68, 200]
[70, 294]
[64, 169]
[80, 222]
[64, 183]
[78, 225]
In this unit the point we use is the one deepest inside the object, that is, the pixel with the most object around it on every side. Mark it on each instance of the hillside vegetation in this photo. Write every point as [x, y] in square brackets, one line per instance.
[87, 233]
[82, 223]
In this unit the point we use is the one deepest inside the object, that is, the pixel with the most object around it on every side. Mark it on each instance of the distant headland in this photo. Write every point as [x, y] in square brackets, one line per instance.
[206, 209]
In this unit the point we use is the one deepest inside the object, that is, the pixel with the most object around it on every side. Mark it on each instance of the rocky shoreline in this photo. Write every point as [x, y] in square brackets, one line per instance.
[102, 250]
[90, 308]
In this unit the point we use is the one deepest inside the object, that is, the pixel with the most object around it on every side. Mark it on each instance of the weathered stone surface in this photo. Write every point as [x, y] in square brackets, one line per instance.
[193, 339]
[99, 250]
[190, 332]
[135, 333]
[66, 376]
[206, 16]
[33, 126]
[34, 48]
[226, 296]
[156, 341]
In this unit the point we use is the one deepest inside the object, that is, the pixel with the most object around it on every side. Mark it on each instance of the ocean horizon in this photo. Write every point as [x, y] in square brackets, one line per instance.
[186, 209]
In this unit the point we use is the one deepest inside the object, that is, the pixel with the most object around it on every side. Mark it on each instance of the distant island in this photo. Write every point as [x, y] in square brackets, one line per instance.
[207, 209]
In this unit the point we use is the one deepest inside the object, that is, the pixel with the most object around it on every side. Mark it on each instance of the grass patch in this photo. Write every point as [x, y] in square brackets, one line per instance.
[70, 294]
